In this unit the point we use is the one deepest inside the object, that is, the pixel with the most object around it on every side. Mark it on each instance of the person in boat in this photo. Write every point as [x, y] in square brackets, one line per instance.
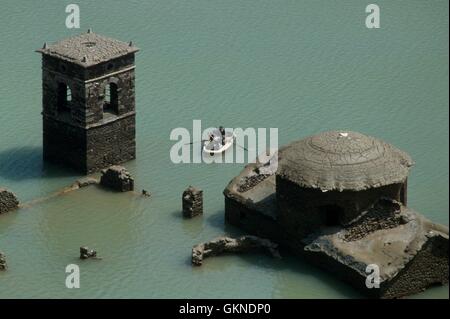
[222, 133]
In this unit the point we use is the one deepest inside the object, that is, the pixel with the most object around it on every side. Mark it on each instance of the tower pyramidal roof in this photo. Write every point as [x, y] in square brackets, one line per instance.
[88, 49]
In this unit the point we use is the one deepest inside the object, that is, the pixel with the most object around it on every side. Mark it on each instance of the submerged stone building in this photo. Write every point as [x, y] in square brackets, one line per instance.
[88, 85]
[331, 178]
[339, 200]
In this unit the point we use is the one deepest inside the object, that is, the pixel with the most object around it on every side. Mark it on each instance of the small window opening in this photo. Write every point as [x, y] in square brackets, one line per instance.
[69, 94]
[64, 98]
[111, 104]
[108, 94]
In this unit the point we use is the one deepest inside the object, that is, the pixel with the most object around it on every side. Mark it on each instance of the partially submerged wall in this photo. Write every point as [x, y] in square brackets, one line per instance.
[411, 252]
[303, 210]
[429, 267]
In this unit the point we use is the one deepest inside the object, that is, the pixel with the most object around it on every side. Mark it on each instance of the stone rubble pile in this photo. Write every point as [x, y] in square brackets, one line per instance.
[8, 201]
[117, 178]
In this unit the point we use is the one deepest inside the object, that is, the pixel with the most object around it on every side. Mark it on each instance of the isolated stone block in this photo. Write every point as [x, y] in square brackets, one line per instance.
[86, 253]
[117, 178]
[8, 201]
[192, 202]
[3, 265]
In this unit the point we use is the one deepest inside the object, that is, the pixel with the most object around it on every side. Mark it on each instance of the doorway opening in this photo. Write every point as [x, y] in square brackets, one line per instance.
[332, 214]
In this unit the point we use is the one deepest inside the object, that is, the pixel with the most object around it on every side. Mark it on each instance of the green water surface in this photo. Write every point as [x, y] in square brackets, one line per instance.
[300, 66]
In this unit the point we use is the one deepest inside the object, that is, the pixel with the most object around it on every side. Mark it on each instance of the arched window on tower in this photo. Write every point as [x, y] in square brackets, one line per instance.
[111, 103]
[69, 94]
[64, 98]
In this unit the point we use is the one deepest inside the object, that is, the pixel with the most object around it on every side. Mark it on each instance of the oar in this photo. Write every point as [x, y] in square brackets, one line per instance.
[195, 142]
[243, 147]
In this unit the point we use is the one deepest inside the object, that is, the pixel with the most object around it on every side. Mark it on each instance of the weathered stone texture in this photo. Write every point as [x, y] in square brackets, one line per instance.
[86, 253]
[109, 66]
[223, 245]
[429, 267]
[385, 214]
[65, 144]
[91, 129]
[251, 181]
[3, 265]
[192, 202]
[324, 211]
[117, 178]
[411, 257]
[252, 221]
[88, 49]
[301, 210]
[8, 201]
[96, 96]
[338, 160]
[86, 181]
[412, 252]
[111, 144]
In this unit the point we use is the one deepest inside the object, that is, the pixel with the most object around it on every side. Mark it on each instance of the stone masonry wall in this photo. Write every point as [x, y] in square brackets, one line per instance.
[52, 75]
[192, 202]
[300, 209]
[110, 66]
[428, 267]
[73, 70]
[87, 98]
[64, 144]
[117, 178]
[85, 137]
[96, 96]
[111, 144]
[252, 221]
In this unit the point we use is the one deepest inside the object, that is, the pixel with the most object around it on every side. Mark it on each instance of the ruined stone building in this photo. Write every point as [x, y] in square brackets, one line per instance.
[331, 178]
[339, 199]
[88, 97]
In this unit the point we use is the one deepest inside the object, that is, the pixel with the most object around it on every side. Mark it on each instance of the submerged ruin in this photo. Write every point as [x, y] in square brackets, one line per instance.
[3, 265]
[88, 102]
[222, 245]
[86, 252]
[8, 201]
[192, 202]
[117, 178]
[339, 199]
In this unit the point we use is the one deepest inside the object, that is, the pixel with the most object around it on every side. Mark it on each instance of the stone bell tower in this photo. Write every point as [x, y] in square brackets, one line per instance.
[88, 99]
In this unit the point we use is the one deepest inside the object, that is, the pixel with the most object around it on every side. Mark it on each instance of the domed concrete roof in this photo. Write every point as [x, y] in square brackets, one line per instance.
[342, 160]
